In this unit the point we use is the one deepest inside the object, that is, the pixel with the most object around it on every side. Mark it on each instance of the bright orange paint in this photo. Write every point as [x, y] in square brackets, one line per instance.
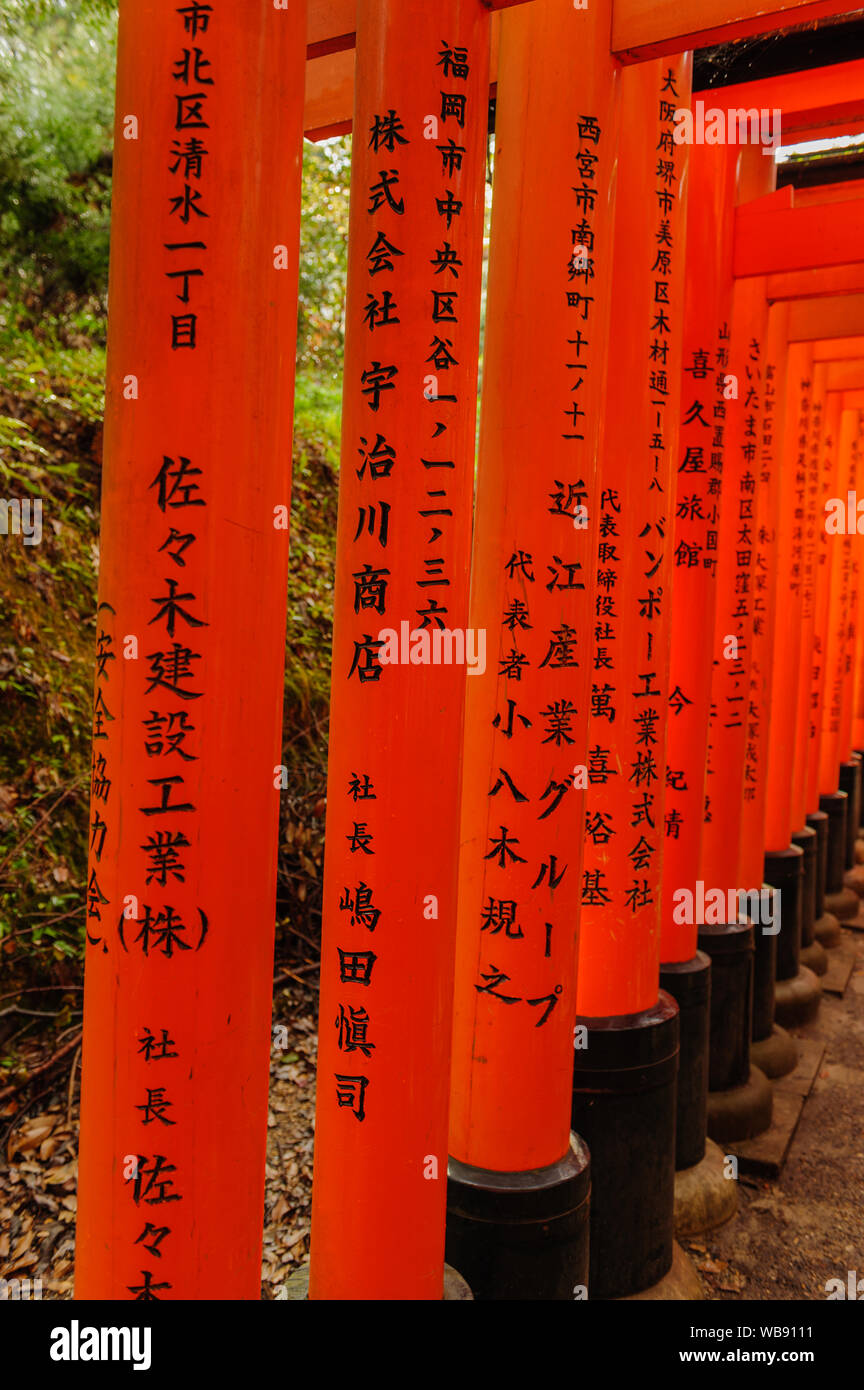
[791, 591]
[737, 568]
[532, 586]
[619, 950]
[823, 446]
[389, 912]
[765, 589]
[840, 553]
[193, 567]
[699, 474]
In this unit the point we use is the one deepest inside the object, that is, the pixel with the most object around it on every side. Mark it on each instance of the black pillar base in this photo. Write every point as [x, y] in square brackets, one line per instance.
[689, 983]
[521, 1235]
[818, 821]
[784, 870]
[741, 1112]
[730, 947]
[764, 975]
[796, 1001]
[850, 783]
[624, 1106]
[775, 1055]
[812, 954]
[840, 901]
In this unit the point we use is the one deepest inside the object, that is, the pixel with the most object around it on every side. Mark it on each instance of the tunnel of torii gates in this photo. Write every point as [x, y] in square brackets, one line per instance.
[576, 707]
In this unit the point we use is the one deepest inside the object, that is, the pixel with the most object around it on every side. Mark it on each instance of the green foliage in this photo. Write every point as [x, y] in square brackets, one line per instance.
[324, 255]
[56, 114]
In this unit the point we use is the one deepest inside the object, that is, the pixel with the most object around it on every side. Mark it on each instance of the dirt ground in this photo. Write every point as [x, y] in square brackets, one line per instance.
[790, 1236]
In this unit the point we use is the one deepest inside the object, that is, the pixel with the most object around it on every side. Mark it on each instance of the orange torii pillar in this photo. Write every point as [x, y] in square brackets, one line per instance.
[400, 649]
[771, 1051]
[190, 643]
[840, 611]
[838, 377]
[517, 1219]
[810, 798]
[785, 805]
[857, 726]
[849, 758]
[787, 869]
[850, 745]
[808, 322]
[624, 1092]
[739, 1101]
[704, 1197]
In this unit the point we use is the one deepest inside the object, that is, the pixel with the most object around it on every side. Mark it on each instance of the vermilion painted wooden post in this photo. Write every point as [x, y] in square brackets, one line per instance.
[774, 1051]
[853, 401]
[850, 768]
[839, 582]
[825, 450]
[739, 1097]
[399, 663]
[523, 811]
[630, 1024]
[820, 444]
[793, 597]
[190, 641]
[685, 971]
[699, 476]
[764, 594]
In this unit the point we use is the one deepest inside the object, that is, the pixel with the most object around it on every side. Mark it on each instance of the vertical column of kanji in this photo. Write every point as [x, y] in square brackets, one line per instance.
[400, 648]
[849, 751]
[774, 1051]
[857, 725]
[202, 323]
[839, 565]
[630, 1025]
[805, 575]
[514, 1162]
[825, 818]
[848, 758]
[739, 1096]
[685, 972]
[792, 590]
[763, 593]
[810, 796]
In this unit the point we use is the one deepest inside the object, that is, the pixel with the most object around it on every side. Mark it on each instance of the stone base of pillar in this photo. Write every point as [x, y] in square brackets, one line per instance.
[844, 905]
[521, 1235]
[828, 931]
[814, 957]
[681, 1283]
[775, 1055]
[705, 1197]
[796, 1001]
[854, 879]
[296, 1287]
[742, 1112]
[624, 1102]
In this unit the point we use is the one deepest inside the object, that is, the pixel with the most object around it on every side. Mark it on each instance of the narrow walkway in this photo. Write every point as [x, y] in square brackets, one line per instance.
[806, 1227]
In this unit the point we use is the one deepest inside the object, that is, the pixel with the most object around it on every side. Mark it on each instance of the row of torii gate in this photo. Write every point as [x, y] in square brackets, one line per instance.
[673, 388]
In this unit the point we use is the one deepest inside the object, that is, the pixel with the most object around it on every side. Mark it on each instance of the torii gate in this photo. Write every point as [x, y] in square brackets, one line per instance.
[179, 968]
